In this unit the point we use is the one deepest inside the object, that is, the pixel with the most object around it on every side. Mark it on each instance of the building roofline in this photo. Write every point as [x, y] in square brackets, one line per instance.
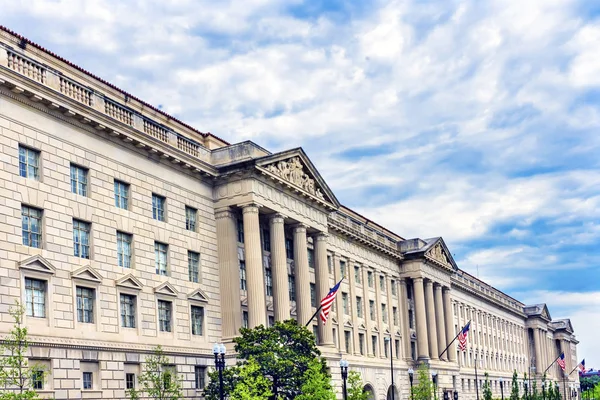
[383, 228]
[487, 284]
[70, 64]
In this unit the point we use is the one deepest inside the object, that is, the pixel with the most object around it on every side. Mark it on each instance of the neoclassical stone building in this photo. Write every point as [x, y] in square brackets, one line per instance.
[122, 228]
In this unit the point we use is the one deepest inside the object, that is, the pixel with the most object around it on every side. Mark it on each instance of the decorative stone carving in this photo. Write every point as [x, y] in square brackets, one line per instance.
[438, 254]
[292, 171]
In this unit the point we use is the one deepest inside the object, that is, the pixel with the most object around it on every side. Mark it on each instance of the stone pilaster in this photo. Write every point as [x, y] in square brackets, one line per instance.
[339, 309]
[352, 305]
[379, 318]
[281, 294]
[448, 314]
[303, 307]
[405, 327]
[322, 275]
[367, 313]
[538, 350]
[439, 320]
[390, 309]
[229, 273]
[257, 310]
[421, 319]
[431, 322]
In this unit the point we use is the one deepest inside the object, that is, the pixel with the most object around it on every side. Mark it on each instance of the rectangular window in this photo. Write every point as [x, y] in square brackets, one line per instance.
[313, 295]
[311, 258]
[292, 285]
[413, 350]
[129, 381]
[409, 291]
[124, 249]
[329, 264]
[395, 314]
[37, 379]
[160, 257]
[386, 347]
[266, 239]
[79, 182]
[347, 341]
[81, 239]
[158, 207]
[194, 266]
[197, 320]
[381, 282]
[35, 298]
[315, 330]
[384, 313]
[374, 344]
[345, 303]
[271, 320]
[199, 376]
[127, 311]
[121, 195]
[289, 249]
[269, 281]
[243, 283]
[88, 380]
[85, 305]
[361, 343]
[29, 163]
[245, 319]
[397, 348]
[357, 274]
[393, 287]
[359, 307]
[370, 278]
[372, 309]
[164, 315]
[190, 218]
[31, 226]
[343, 268]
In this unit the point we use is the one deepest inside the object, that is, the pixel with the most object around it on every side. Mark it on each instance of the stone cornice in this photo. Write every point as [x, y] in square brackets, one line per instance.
[362, 238]
[456, 284]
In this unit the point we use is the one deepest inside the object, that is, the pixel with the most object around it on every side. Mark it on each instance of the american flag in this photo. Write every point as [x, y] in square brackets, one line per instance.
[582, 366]
[462, 337]
[561, 361]
[328, 301]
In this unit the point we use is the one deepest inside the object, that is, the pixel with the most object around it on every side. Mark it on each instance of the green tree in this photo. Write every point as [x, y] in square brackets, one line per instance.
[527, 388]
[17, 376]
[356, 389]
[544, 392]
[250, 385]
[317, 382]
[487, 390]
[550, 390]
[423, 390]
[514, 394]
[534, 392]
[158, 381]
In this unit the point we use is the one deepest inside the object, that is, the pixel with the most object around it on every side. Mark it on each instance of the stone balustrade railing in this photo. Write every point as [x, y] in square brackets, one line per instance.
[57, 81]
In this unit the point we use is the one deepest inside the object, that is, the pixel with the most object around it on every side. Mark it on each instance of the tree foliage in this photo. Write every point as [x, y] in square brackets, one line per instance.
[158, 381]
[250, 385]
[17, 376]
[487, 390]
[514, 394]
[356, 389]
[317, 382]
[423, 390]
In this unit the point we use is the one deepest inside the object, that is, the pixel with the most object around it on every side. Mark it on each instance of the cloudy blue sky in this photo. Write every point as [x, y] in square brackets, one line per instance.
[474, 120]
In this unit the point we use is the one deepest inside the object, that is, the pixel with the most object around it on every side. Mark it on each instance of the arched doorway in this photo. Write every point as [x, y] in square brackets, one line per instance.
[395, 391]
[369, 391]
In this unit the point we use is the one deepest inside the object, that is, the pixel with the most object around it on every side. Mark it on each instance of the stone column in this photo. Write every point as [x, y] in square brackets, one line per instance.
[431, 322]
[281, 294]
[439, 320]
[421, 319]
[257, 309]
[303, 307]
[538, 350]
[352, 305]
[403, 306]
[379, 319]
[390, 307]
[367, 313]
[229, 273]
[339, 308]
[448, 314]
[322, 286]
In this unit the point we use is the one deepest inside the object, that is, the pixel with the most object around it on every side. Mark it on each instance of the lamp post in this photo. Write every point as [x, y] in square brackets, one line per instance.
[219, 349]
[434, 379]
[411, 374]
[344, 368]
[387, 339]
[526, 389]
[502, 388]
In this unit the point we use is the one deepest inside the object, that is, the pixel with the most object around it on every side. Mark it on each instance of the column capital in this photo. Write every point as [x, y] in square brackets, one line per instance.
[446, 289]
[276, 218]
[249, 207]
[224, 212]
[299, 227]
[320, 236]
[418, 279]
[429, 282]
[437, 286]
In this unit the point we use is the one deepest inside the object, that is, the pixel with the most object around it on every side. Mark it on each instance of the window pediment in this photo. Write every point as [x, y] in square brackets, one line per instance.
[198, 295]
[129, 282]
[166, 289]
[87, 273]
[37, 264]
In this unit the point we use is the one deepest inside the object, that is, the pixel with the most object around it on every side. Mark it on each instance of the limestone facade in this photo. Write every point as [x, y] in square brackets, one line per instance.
[122, 228]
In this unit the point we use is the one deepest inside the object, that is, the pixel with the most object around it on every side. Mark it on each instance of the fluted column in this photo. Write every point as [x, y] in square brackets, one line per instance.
[303, 307]
[390, 310]
[352, 305]
[537, 345]
[448, 314]
[322, 275]
[229, 273]
[367, 312]
[379, 314]
[439, 320]
[431, 321]
[281, 294]
[403, 306]
[421, 319]
[339, 308]
[257, 309]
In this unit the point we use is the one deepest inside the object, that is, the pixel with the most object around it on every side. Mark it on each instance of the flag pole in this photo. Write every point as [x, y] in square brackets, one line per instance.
[314, 315]
[552, 364]
[574, 369]
[453, 340]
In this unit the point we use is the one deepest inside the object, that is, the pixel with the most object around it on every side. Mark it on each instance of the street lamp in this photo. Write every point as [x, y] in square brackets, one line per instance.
[219, 348]
[502, 387]
[411, 373]
[387, 339]
[434, 379]
[526, 389]
[344, 367]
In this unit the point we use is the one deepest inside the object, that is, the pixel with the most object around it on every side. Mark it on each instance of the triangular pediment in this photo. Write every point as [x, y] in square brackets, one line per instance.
[198, 295]
[293, 168]
[87, 273]
[334, 320]
[348, 324]
[375, 329]
[362, 327]
[546, 313]
[166, 289]
[129, 282]
[37, 264]
[439, 253]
